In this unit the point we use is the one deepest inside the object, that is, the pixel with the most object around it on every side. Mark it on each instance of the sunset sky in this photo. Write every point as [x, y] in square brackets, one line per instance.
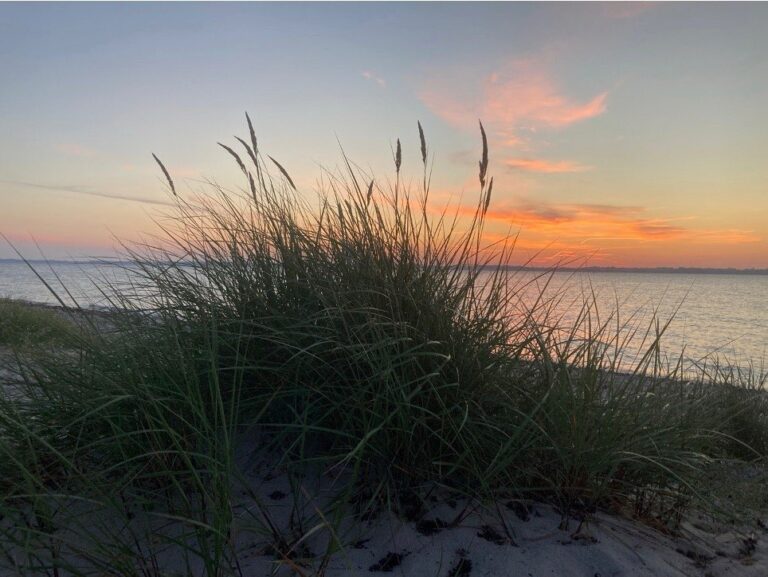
[632, 134]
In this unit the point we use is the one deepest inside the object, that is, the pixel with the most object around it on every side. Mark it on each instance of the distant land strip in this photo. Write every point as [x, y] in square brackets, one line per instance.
[617, 269]
[657, 270]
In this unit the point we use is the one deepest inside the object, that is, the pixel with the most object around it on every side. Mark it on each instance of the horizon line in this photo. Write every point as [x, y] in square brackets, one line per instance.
[651, 269]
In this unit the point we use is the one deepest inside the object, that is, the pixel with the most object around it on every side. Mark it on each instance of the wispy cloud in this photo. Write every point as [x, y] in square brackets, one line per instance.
[74, 149]
[176, 170]
[77, 189]
[542, 165]
[372, 77]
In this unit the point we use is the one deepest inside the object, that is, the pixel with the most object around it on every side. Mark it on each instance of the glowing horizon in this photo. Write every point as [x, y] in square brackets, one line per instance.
[628, 134]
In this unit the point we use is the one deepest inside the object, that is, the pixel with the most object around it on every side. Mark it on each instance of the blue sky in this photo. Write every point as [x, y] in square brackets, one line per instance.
[634, 133]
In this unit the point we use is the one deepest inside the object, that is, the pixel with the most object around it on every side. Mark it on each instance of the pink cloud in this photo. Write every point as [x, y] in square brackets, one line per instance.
[522, 95]
[29, 243]
[518, 103]
[526, 94]
[546, 166]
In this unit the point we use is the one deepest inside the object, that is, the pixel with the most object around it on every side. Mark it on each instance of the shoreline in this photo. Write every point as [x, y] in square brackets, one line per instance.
[760, 369]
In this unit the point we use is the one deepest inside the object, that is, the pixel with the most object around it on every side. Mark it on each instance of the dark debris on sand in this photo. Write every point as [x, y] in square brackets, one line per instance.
[462, 567]
[430, 526]
[387, 563]
[521, 510]
[411, 506]
[491, 535]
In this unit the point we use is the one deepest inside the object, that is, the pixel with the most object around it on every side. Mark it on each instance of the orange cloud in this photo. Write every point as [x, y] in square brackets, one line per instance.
[542, 165]
[579, 226]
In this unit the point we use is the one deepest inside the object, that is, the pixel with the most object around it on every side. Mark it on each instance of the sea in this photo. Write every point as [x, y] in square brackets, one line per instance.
[705, 316]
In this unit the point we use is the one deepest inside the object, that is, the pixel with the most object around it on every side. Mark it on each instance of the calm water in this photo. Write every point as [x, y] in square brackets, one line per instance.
[719, 314]
[713, 315]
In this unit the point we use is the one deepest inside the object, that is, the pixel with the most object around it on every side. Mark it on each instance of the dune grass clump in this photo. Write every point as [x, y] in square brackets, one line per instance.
[362, 334]
[22, 323]
[365, 322]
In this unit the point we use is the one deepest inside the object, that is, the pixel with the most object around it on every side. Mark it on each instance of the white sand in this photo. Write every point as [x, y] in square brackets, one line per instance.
[603, 546]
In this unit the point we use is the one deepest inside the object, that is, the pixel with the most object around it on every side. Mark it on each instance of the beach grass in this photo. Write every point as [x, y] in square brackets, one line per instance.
[363, 334]
[24, 324]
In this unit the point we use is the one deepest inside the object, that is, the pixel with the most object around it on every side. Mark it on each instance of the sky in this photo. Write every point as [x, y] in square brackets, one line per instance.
[626, 134]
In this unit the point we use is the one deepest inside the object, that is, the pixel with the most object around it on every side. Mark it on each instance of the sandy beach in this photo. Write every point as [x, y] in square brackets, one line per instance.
[441, 535]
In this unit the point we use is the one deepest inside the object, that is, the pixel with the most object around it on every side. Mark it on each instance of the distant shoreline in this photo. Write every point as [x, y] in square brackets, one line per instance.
[656, 270]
